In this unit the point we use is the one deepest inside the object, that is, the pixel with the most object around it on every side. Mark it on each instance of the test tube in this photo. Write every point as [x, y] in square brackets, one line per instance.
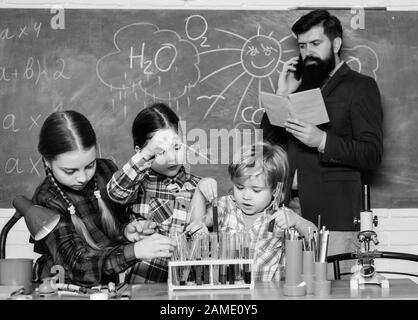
[237, 255]
[191, 256]
[231, 255]
[215, 215]
[224, 246]
[214, 255]
[247, 255]
[205, 256]
[180, 254]
[198, 256]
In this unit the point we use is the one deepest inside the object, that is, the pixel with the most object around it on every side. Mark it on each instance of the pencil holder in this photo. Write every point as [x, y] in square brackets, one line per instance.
[322, 286]
[293, 286]
[308, 274]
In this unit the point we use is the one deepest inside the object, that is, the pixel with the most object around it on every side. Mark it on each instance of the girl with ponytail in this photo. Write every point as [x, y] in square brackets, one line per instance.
[156, 184]
[93, 241]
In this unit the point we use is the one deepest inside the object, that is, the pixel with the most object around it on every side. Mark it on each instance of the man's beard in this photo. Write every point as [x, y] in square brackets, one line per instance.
[314, 75]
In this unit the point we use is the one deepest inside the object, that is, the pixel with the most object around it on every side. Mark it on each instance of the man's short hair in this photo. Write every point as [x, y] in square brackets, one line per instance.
[331, 24]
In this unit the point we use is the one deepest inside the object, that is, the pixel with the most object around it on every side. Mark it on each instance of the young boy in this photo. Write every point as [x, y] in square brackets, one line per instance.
[258, 176]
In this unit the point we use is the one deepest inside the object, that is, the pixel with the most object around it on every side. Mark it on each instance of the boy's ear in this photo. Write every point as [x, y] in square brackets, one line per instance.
[137, 149]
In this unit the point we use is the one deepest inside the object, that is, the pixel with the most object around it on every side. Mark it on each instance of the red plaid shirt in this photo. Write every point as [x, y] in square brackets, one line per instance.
[155, 197]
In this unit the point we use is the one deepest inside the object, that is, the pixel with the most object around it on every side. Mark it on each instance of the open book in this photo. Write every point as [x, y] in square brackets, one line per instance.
[306, 105]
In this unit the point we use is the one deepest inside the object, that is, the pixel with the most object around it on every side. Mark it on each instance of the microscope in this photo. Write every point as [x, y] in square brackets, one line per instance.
[365, 272]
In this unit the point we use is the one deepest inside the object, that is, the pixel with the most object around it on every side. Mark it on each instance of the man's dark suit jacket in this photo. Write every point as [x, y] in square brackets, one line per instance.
[329, 184]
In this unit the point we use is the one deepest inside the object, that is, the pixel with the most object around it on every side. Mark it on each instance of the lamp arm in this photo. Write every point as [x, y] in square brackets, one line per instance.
[12, 221]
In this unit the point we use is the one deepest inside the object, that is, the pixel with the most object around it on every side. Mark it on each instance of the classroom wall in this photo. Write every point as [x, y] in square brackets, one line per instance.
[397, 229]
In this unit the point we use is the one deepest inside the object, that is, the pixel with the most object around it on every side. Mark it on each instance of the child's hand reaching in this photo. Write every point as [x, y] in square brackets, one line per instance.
[138, 229]
[286, 218]
[195, 228]
[209, 188]
[154, 246]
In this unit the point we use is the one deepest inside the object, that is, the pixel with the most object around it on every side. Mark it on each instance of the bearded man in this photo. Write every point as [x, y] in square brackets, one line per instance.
[327, 160]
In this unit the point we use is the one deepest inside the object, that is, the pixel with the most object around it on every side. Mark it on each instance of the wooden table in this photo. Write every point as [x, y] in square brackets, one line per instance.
[403, 289]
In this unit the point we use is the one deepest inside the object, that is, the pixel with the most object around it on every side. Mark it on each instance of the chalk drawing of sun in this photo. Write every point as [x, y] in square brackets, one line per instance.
[260, 59]
[260, 56]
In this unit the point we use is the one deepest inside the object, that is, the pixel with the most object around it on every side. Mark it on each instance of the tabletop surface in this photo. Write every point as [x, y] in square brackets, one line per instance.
[340, 289]
[399, 289]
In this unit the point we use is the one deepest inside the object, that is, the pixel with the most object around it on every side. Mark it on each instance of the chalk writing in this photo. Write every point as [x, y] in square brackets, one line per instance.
[14, 165]
[34, 122]
[21, 32]
[202, 24]
[35, 70]
[154, 57]
[252, 114]
[34, 166]
[9, 122]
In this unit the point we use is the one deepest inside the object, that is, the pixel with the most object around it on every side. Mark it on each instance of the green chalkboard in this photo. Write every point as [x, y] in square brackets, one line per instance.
[209, 66]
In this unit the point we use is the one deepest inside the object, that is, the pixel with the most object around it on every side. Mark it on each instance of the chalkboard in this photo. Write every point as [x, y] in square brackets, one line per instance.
[209, 66]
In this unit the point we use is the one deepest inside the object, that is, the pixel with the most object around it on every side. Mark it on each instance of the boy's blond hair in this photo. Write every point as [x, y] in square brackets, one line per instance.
[261, 157]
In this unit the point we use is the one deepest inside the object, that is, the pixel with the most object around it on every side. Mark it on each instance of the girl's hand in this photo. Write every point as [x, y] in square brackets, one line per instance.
[209, 188]
[161, 141]
[195, 228]
[138, 229]
[154, 246]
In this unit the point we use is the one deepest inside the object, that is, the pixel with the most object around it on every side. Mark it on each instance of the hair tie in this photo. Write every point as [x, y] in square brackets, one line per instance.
[97, 194]
[71, 209]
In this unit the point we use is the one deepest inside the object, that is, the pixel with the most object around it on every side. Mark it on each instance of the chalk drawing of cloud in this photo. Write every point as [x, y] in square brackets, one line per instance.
[158, 62]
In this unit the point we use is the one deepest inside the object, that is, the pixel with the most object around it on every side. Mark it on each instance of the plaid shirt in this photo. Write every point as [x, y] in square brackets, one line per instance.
[155, 197]
[266, 237]
[83, 265]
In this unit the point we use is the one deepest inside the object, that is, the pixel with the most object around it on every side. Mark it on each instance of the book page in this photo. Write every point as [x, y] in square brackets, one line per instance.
[309, 106]
[277, 108]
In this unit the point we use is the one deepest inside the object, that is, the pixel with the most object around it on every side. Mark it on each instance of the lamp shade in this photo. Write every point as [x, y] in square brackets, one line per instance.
[39, 220]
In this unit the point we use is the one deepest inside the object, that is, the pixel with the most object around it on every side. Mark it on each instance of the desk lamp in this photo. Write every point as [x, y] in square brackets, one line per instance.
[365, 271]
[39, 220]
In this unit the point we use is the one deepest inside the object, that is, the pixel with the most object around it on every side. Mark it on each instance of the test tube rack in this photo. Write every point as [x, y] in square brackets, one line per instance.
[211, 285]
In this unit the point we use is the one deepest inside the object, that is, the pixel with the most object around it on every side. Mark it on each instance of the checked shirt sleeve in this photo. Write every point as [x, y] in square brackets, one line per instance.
[83, 265]
[125, 183]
